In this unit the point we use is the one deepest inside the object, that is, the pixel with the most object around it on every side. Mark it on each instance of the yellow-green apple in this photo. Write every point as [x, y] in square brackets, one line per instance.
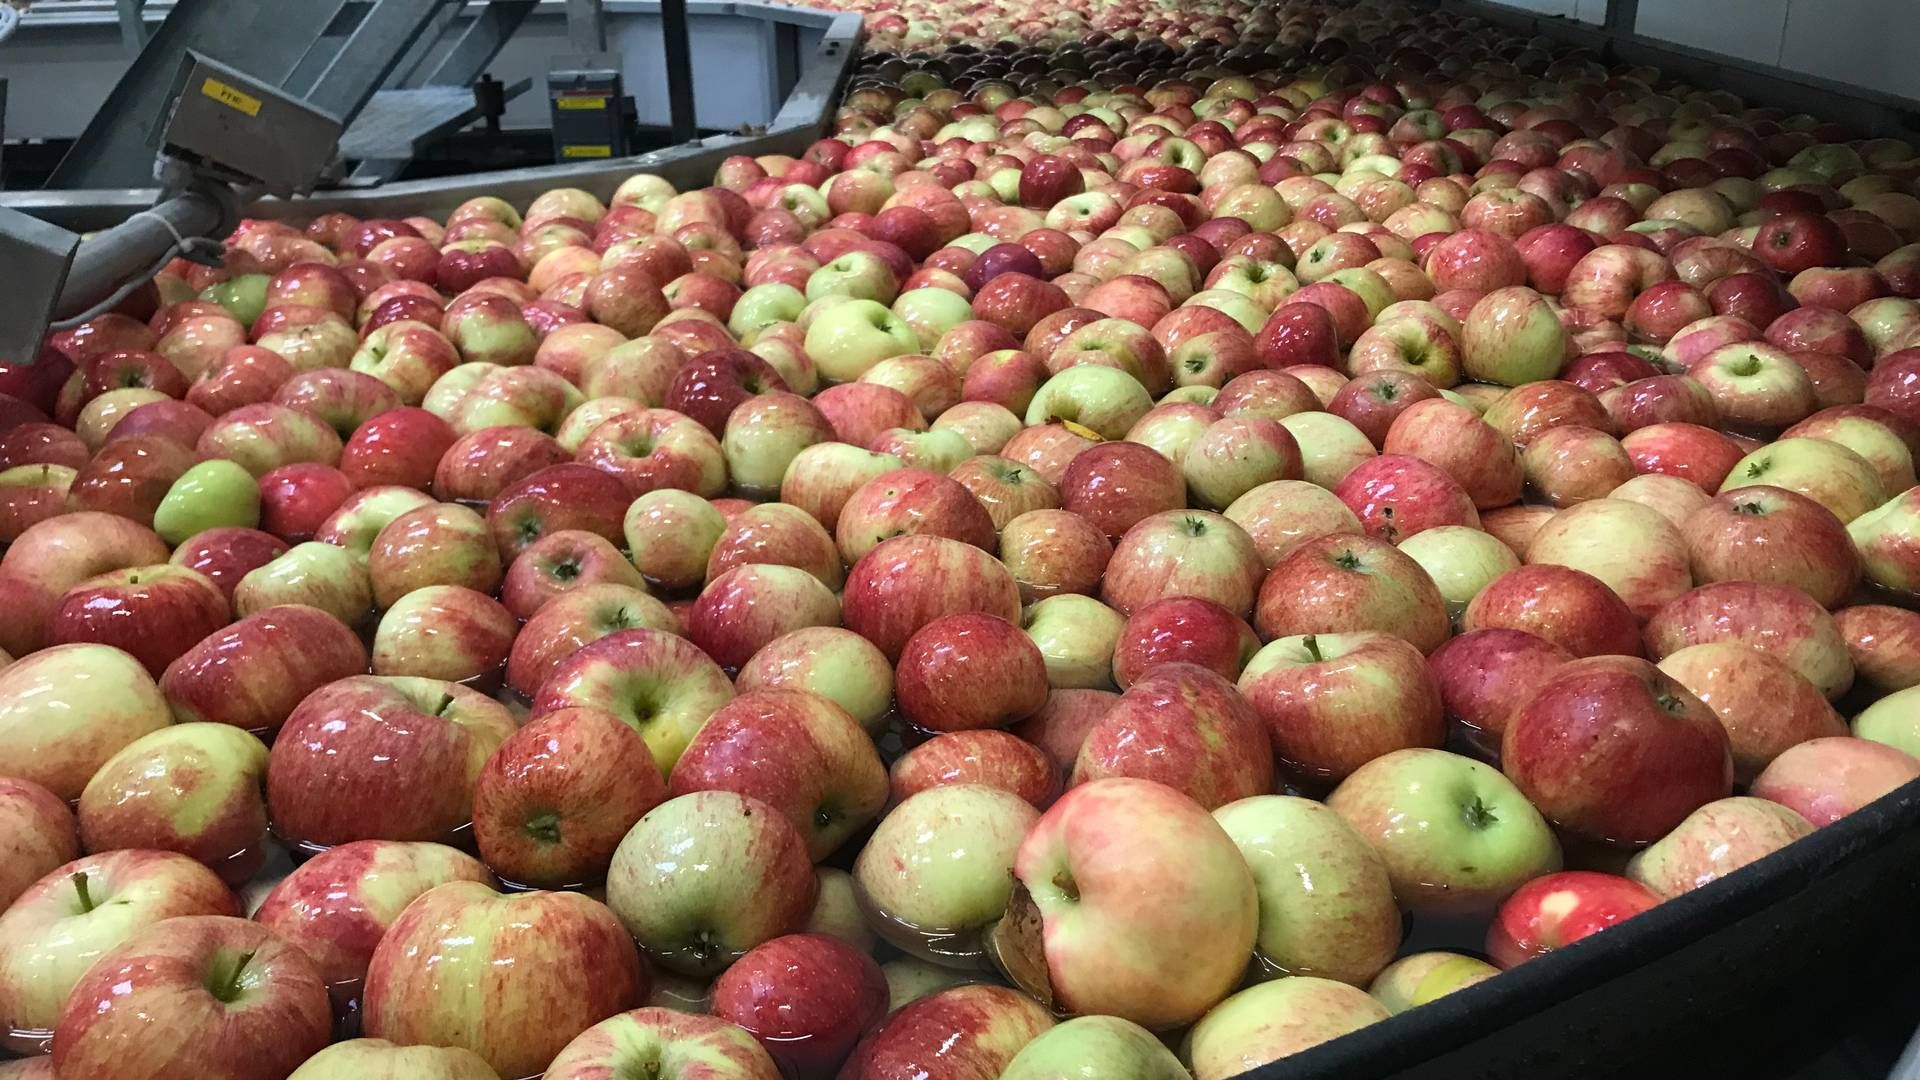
[1765, 706]
[64, 922]
[835, 912]
[1306, 689]
[337, 905]
[512, 977]
[52, 556]
[559, 563]
[997, 759]
[1326, 902]
[1096, 1048]
[704, 877]
[1461, 561]
[984, 425]
[1826, 472]
[657, 448]
[1412, 344]
[1182, 629]
[1554, 911]
[153, 613]
[66, 710]
[660, 684]
[192, 788]
[969, 670]
[796, 751]
[853, 335]
[807, 998]
[1484, 676]
[407, 356]
[1755, 386]
[1613, 749]
[1569, 608]
[444, 632]
[309, 338]
[30, 494]
[251, 674]
[378, 1059]
[1511, 336]
[358, 520]
[670, 534]
[1607, 279]
[1183, 726]
[641, 369]
[910, 501]
[340, 399]
[1396, 496]
[960, 1031]
[1633, 550]
[1420, 978]
[1881, 640]
[490, 329]
[572, 351]
[246, 1004]
[1340, 584]
[1525, 412]
[1692, 343]
[1714, 841]
[575, 620]
[1076, 636]
[1093, 925]
[315, 574]
[1280, 515]
[557, 797]
[37, 834]
[1454, 439]
[1275, 395]
[1456, 835]
[206, 496]
[909, 581]
[1885, 540]
[1170, 429]
[1274, 1020]
[1826, 779]
[441, 544]
[656, 1038]
[381, 758]
[1052, 551]
[1233, 456]
[1183, 552]
[518, 396]
[836, 664]
[930, 312]
[763, 435]
[936, 873]
[1104, 400]
[1874, 439]
[776, 534]
[1784, 623]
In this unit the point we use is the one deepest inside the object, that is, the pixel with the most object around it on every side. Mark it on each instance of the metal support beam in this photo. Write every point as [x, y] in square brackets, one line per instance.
[673, 35]
[586, 27]
[264, 38]
[370, 55]
[133, 25]
[480, 42]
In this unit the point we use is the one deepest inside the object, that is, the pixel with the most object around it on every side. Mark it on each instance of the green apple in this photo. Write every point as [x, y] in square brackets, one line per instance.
[932, 312]
[1237, 306]
[1076, 635]
[1326, 902]
[1330, 446]
[1414, 980]
[910, 978]
[851, 336]
[937, 871]
[670, 533]
[443, 398]
[1193, 395]
[763, 305]
[1826, 472]
[1511, 336]
[333, 579]
[836, 914]
[243, 295]
[210, 495]
[1456, 835]
[66, 710]
[837, 664]
[1105, 400]
[861, 275]
[358, 520]
[1894, 720]
[1095, 1048]
[1460, 560]
[938, 451]
[1274, 1020]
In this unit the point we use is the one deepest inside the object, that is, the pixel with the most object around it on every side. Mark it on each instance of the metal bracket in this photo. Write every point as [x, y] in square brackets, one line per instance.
[39, 256]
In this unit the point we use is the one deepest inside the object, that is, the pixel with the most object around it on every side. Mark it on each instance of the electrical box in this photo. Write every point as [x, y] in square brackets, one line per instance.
[589, 109]
[247, 131]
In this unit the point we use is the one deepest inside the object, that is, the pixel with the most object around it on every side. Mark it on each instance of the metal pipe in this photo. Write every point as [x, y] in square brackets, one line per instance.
[673, 35]
[108, 260]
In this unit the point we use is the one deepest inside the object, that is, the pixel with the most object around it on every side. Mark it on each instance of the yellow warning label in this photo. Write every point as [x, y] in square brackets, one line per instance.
[580, 102]
[230, 97]
[587, 151]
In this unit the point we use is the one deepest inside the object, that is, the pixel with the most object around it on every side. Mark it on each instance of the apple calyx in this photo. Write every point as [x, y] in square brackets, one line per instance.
[1749, 507]
[1017, 945]
[1478, 814]
[544, 827]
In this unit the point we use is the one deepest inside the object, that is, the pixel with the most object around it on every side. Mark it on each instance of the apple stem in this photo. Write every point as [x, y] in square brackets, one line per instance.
[1067, 886]
[446, 702]
[79, 880]
[1312, 645]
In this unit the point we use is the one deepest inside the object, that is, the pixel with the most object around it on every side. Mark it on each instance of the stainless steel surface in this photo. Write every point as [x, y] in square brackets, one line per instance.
[587, 26]
[37, 256]
[480, 42]
[109, 259]
[133, 29]
[265, 38]
[396, 122]
[370, 54]
[248, 129]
